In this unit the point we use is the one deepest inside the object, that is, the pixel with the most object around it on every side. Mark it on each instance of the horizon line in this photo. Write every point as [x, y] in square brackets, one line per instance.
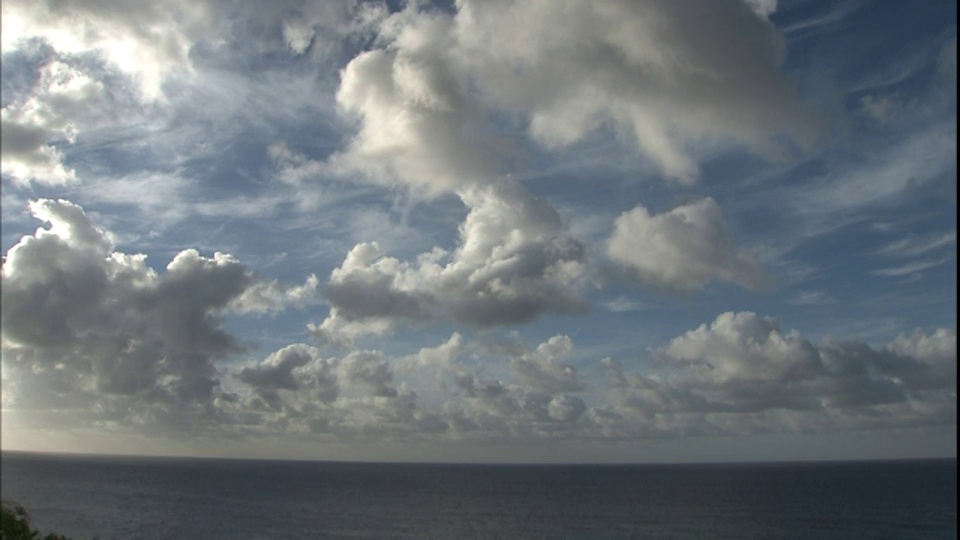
[44, 453]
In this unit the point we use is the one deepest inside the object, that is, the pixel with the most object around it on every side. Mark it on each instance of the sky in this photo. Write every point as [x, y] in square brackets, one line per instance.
[482, 230]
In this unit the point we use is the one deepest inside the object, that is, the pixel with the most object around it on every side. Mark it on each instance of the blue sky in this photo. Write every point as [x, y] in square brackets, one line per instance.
[482, 231]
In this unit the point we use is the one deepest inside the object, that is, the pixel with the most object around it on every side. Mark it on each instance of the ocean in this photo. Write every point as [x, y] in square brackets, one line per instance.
[89, 497]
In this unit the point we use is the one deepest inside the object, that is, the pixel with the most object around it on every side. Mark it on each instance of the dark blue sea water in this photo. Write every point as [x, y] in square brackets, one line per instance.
[111, 497]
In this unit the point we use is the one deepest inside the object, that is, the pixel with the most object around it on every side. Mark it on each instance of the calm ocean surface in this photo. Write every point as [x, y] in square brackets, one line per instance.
[111, 497]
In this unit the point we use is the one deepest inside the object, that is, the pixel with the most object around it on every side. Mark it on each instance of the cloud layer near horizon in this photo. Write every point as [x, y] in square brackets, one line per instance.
[93, 337]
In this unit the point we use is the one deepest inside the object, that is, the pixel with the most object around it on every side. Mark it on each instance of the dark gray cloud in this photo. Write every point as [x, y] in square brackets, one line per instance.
[97, 326]
[370, 368]
[295, 368]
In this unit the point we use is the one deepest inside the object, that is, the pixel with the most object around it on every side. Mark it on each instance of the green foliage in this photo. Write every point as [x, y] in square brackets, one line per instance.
[15, 524]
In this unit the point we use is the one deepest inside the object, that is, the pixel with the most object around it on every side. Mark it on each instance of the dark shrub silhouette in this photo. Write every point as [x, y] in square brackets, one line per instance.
[15, 525]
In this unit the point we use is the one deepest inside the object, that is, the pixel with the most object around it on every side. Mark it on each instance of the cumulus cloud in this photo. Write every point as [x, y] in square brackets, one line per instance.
[133, 68]
[537, 401]
[295, 389]
[671, 78]
[51, 99]
[270, 296]
[100, 337]
[321, 26]
[369, 367]
[566, 408]
[367, 392]
[743, 374]
[540, 371]
[146, 40]
[441, 102]
[83, 323]
[514, 262]
[669, 74]
[744, 347]
[933, 358]
[27, 154]
[416, 125]
[682, 249]
[440, 358]
[337, 329]
[296, 368]
[63, 98]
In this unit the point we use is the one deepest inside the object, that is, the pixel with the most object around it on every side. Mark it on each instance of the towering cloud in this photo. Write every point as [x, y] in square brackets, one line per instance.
[83, 323]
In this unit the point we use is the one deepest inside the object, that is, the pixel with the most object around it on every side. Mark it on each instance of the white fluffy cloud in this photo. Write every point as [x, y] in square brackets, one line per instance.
[537, 401]
[513, 263]
[682, 249]
[269, 296]
[57, 96]
[742, 373]
[82, 322]
[27, 154]
[743, 347]
[669, 77]
[366, 392]
[146, 40]
[169, 107]
[295, 389]
[416, 125]
[540, 371]
[319, 26]
[93, 336]
[63, 99]
[671, 74]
